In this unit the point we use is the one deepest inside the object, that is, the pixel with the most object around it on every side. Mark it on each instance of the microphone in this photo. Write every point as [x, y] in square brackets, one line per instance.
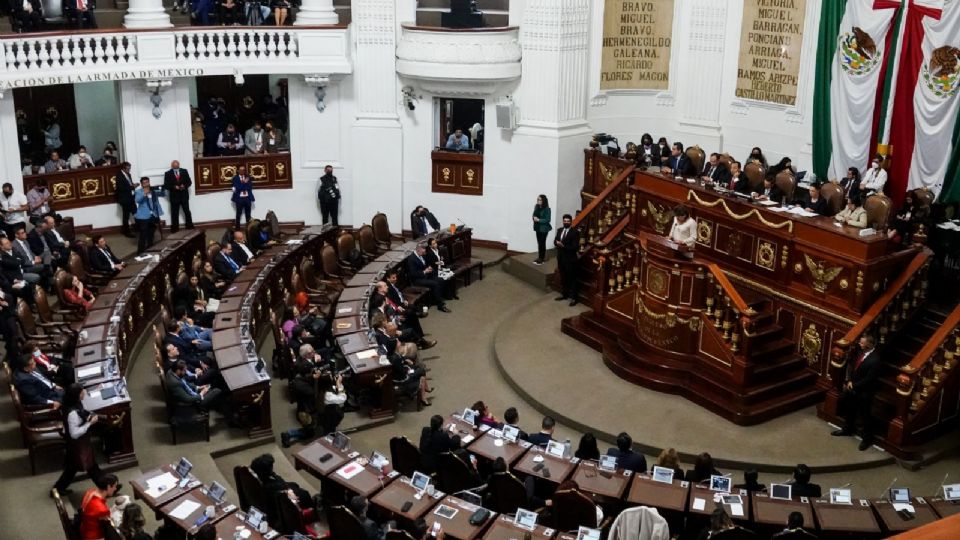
[942, 483]
[885, 494]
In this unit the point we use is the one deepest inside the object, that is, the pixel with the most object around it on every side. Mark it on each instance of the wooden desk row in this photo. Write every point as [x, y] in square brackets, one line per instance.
[122, 311]
[244, 312]
[166, 496]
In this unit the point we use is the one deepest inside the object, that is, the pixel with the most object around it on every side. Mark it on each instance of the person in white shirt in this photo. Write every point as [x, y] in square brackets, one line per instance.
[875, 178]
[684, 231]
[14, 207]
[80, 160]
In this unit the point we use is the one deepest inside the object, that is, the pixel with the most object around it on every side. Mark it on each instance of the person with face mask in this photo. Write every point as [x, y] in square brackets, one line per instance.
[273, 137]
[38, 199]
[14, 208]
[567, 242]
[255, 139]
[663, 147]
[329, 196]
[875, 178]
[229, 142]
[81, 159]
[648, 154]
[756, 155]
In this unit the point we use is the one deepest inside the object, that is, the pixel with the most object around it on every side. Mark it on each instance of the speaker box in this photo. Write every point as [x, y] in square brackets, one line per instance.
[506, 118]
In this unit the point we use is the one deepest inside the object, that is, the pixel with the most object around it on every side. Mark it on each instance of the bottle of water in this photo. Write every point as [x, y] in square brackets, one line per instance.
[567, 449]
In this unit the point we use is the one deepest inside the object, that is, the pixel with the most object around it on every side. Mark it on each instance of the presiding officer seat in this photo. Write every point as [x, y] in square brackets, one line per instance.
[879, 208]
[833, 194]
[755, 173]
[787, 183]
[697, 156]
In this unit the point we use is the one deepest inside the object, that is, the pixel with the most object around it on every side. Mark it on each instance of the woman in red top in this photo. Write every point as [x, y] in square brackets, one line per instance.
[78, 295]
[94, 509]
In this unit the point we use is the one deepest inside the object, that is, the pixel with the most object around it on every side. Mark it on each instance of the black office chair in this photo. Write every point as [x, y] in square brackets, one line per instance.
[405, 456]
[454, 474]
[344, 523]
[506, 493]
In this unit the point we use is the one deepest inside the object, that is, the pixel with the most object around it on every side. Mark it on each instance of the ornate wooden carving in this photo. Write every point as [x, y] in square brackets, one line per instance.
[457, 172]
[268, 171]
[78, 188]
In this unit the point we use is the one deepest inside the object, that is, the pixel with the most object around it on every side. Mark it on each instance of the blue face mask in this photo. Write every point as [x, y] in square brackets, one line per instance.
[36, 354]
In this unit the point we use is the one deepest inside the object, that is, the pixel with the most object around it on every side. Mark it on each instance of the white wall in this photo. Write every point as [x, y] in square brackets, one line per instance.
[98, 117]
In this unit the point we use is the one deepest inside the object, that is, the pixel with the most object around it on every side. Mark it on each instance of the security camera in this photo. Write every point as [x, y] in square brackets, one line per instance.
[238, 78]
[409, 99]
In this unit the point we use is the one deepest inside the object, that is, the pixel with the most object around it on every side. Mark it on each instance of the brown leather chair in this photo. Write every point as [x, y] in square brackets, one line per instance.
[924, 196]
[507, 493]
[252, 228]
[344, 523]
[461, 265]
[292, 519]
[755, 173]
[405, 456]
[725, 160]
[249, 489]
[697, 156]
[66, 229]
[573, 509]
[397, 534]
[37, 434]
[275, 231]
[347, 244]
[367, 242]
[66, 522]
[332, 267]
[77, 264]
[381, 231]
[315, 284]
[213, 249]
[320, 300]
[787, 184]
[47, 339]
[879, 208]
[59, 321]
[833, 194]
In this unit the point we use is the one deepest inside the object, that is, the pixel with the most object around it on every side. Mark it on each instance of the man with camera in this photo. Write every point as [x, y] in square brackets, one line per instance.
[148, 212]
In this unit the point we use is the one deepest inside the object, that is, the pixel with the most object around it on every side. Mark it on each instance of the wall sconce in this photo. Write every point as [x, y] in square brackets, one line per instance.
[154, 86]
[319, 82]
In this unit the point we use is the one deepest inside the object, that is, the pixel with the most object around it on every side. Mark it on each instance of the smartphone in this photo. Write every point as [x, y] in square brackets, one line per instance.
[436, 528]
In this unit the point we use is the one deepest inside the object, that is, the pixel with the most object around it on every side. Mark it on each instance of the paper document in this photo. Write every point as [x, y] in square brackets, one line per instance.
[699, 504]
[184, 509]
[142, 258]
[768, 203]
[369, 353]
[344, 310]
[904, 506]
[165, 479]
[467, 439]
[94, 394]
[294, 242]
[89, 371]
[778, 209]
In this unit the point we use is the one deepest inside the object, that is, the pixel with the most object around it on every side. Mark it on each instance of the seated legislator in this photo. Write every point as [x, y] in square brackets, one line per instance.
[738, 181]
[55, 368]
[875, 178]
[678, 164]
[714, 172]
[199, 372]
[78, 295]
[189, 351]
[422, 222]
[702, 469]
[648, 154]
[184, 392]
[22, 283]
[409, 324]
[770, 191]
[262, 239]
[433, 258]
[225, 264]
[422, 274]
[210, 282]
[512, 418]
[545, 435]
[389, 339]
[434, 440]
[241, 252]
[851, 182]
[484, 416]
[458, 141]
[193, 299]
[683, 232]
[198, 335]
[274, 485]
[102, 258]
[626, 457]
[669, 459]
[816, 203]
[94, 509]
[802, 487]
[410, 378]
[34, 388]
[794, 530]
[30, 262]
[853, 214]
[37, 240]
[59, 246]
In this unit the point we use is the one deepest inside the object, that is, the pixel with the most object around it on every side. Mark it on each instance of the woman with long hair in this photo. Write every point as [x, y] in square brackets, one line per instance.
[541, 226]
[756, 154]
[588, 448]
[77, 423]
[212, 284]
[131, 527]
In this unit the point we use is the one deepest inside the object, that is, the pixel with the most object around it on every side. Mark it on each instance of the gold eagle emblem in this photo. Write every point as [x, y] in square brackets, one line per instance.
[658, 218]
[821, 277]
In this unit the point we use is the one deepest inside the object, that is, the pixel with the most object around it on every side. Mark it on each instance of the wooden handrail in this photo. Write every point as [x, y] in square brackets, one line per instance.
[938, 337]
[888, 296]
[602, 196]
[738, 302]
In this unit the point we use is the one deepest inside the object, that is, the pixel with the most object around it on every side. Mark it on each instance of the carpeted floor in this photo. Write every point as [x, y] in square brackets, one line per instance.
[464, 369]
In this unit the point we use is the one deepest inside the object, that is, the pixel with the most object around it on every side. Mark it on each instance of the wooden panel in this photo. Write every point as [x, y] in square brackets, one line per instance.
[269, 171]
[457, 172]
[78, 188]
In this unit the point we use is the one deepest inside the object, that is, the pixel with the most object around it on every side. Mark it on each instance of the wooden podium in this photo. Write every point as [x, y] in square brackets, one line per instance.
[457, 172]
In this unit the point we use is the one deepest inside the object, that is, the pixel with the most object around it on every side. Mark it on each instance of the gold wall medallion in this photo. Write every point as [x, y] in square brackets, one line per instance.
[704, 232]
[766, 254]
[811, 345]
[657, 282]
[89, 187]
[843, 284]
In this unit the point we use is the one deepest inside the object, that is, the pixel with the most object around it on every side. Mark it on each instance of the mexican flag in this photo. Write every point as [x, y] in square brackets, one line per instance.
[856, 38]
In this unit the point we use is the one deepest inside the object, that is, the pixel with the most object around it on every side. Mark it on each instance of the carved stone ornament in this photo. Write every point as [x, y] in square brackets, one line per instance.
[811, 345]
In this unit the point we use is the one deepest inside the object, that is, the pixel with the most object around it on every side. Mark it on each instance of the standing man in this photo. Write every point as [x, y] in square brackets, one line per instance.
[148, 213]
[14, 208]
[253, 139]
[567, 243]
[242, 195]
[38, 199]
[177, 182]
[875, 178]
[858, 391]
[329, 195]
[229, 142]
[123, 189]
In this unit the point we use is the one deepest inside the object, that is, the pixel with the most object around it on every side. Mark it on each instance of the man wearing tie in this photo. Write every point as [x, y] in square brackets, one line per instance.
[678, 164]
[241, 252]
[59, 247]
[102, 258]
[224, 263]
[738, 181]
[567, 243]
[715, 172]
[124, 187]
[858, 389]
[422, 274]
[85, 18]
[30, 262]
[148, 213]
[34, 388]
[177, 182]
[242, 195]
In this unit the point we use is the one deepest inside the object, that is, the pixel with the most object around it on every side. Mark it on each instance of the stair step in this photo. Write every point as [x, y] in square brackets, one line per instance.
[783, 385]
[773, 349]
[777, 367]
[767, 334]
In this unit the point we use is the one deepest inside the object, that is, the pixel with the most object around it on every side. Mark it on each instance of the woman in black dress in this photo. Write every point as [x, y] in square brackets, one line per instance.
[77, 422]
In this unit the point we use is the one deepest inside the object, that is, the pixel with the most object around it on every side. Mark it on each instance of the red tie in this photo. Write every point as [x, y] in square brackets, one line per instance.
[859, 361]
[177, 174]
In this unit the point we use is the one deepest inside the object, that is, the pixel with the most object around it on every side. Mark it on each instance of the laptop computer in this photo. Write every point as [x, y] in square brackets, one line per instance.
[783, 492]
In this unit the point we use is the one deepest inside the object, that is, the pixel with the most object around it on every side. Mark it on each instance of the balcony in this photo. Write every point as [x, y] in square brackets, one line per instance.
[459, 62]
[88, 56]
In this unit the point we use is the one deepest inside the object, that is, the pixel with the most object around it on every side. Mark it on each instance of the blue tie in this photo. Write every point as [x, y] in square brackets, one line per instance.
[233, 264]
[188, 389]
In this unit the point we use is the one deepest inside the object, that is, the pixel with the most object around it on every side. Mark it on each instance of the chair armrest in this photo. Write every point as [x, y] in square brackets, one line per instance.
[58, 326]
[46, 414]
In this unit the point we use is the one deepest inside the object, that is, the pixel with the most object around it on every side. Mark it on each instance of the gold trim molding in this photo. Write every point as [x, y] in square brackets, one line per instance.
[791, 299]
[692, 195]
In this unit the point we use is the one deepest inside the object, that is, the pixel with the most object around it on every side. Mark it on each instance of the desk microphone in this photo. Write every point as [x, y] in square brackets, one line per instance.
[885, 495]
[942, 483]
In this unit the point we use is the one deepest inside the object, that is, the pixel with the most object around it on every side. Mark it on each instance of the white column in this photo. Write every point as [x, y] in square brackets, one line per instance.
[9, 145]
[146, 14]
[316, 12]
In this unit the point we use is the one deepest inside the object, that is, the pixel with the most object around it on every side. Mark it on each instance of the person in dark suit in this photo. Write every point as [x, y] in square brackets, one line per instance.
[371, 531]
[434, 440]
[738, 180]
[241, 252]
[274, 485]
[262, 239]
[858, 391]
[177, 183]
[124, 189]
[102, 258]
[30, 262]
[770, 192]
[714, 172]
[648, 154]
[423, 275]
[184, 392]
[435, 260]
[679, 164]
[224, 263]
[329, 196]
[59, 246]
[423, 222]
[801, 483]
[816, 203]
[242, 195]
[188, 350]
[34, 388]
[702, 469]
[9, 329]
[851, 183]
[512, 418]
[21, 283]
[794, 530]
[567, 243]
[626, 457]
[545, 435]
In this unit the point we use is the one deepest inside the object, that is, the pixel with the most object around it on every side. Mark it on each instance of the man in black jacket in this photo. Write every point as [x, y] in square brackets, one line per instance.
[224, 263]
[240, 250]
[801, 483]
[545, 435]
[626, 457]
[858, 391]
[434, 440]
[102, 258]
[184, 392]
[329, 196]
[124, 187]
[59, 246]
[371, 531]
[177, 183]
[714, 171]
[422, 274]
[567, 243]
[274, 485]
[22, 284]
[679, 164]
[423, 222]
[34, 388]
[512, 418]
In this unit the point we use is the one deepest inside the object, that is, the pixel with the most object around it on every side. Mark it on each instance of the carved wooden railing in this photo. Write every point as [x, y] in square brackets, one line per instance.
[889, 313]
[927, 375]
[611, 206]
[618, 265]
[728, 312]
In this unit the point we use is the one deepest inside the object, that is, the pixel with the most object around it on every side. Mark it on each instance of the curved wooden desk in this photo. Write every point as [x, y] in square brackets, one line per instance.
[110, 331]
